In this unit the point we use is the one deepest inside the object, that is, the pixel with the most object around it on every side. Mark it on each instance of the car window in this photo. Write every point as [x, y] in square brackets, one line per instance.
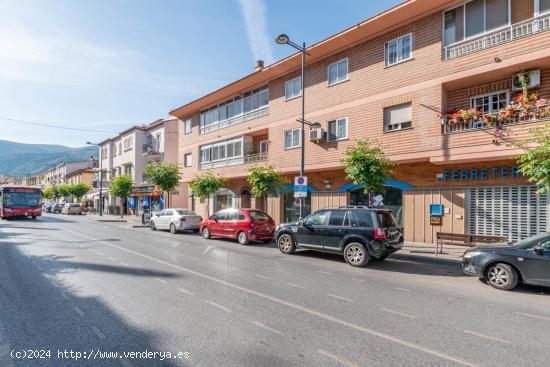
[546, 245]
[186, 212]
[316, 219]
[162, 212]
[233, 215]
[337, 218]
[386, 219]
[169, 213]
[258, 215]
[220, 215]
[364, 218]
[242, 216]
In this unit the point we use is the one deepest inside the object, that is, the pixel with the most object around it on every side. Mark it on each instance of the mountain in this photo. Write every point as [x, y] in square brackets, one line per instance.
[19, 159]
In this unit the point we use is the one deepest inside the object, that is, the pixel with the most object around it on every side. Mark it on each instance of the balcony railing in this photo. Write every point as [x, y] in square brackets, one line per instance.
[253, 158]
[498, 37]
[249, 158]
[517, 117]
[235, 120]
[150, 148]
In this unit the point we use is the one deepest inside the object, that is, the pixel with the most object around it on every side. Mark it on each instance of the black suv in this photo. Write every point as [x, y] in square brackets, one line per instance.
[359, 233]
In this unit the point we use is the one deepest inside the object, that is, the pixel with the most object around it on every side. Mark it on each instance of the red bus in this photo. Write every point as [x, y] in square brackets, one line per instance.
[20, 201]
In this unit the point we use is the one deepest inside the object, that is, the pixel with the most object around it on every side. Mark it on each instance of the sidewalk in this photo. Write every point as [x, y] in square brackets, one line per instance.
[134, 221]
[423, 252]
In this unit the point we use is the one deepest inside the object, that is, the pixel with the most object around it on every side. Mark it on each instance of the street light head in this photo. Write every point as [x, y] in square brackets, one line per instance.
[282, 39]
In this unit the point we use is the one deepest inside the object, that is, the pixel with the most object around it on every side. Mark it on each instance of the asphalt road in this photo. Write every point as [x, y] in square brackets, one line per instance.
[74, 284]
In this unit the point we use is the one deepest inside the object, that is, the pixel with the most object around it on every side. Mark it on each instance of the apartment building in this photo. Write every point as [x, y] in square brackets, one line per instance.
[57, 175]
[391, 79]
[128, 153]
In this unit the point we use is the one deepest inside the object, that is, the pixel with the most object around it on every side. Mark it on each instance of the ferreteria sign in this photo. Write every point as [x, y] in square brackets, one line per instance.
[482, 174]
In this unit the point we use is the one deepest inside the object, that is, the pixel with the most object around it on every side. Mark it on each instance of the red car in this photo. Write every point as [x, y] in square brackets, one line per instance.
[244, 225]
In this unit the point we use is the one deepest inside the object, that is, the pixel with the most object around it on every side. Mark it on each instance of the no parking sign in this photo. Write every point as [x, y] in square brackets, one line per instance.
[300, 187]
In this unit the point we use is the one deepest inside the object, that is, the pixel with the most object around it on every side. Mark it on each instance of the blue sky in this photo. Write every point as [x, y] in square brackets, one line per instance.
[109, 64]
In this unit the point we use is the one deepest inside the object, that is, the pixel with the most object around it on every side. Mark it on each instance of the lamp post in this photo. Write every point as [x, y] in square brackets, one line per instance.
[283, 39]
[100, 178]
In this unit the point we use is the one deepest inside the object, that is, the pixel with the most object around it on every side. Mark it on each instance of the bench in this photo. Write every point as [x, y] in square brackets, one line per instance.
[468, 240]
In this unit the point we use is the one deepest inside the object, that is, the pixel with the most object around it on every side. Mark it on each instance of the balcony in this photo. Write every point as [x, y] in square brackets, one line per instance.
[498, 37]
[235, 120]
[234, 161]
[151, 148]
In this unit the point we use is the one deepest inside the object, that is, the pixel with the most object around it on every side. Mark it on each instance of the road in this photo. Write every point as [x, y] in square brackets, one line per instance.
[75, 284]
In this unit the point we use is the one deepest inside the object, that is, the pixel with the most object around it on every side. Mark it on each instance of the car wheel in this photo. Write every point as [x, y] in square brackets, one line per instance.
[173, 229]
[356, 254]
[153, 227]
[286, 244]
[502, 276]
[242, 238]
[206, 233]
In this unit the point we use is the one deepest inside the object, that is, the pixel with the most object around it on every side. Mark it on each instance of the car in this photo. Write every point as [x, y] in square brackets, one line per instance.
[56, 208]
[504, 266]
[47, 208]
[357, 232]
[71, 208]
[176, 219]
[242, 224]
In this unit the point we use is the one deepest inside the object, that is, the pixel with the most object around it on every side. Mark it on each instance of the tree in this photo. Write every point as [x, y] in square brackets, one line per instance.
[535, 164]
[265, 180]
[205, 185]
[365, 164]
[121, 187]
[165, 175]
[78, 190]
[48, 193]
[62, 191]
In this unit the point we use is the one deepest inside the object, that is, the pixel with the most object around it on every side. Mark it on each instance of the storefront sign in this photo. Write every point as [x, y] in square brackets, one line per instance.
[435, 220]
[143, 190]
[481, 174]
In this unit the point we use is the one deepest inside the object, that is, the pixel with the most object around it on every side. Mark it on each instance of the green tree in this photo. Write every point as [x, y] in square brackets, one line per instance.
[62, 191]
[165, 175]
[205, 185]
[48, 192]
[121, 187]
[265, 180]
[366, 164]
[78, 190]
[535, 164]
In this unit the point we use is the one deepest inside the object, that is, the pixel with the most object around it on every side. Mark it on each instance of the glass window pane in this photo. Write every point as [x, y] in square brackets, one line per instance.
[544, 6]
[342, 128]
[296, 86]
[343, 70]
[317, 218]
[256, 101]
[474, 17]
[405, 47]
[454, 26]
[288, 139]
[264, 97]
[288, 90]
[296, 137]
[336, 218]
[332, 75]
[247, 104]
[496, 13]
[331, 130]
[364, 218]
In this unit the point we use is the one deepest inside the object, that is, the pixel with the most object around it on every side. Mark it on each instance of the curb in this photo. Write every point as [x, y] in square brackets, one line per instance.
[111, 220]
[427, 260]
[140, 226]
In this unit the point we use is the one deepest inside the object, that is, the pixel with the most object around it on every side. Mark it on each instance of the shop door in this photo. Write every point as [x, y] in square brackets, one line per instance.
[516, 212]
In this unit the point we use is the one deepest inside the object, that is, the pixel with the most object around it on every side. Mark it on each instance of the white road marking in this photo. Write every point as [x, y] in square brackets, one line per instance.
[123, 264]
[257, 323]
[487, 337]
[294, 306]
[111, 258]
[340, 298]
[358, 280]
[398, 313]
[324, 272]
[262, 276]
[98, 332]
[402, 289]
[64, 296]
[78, 311]
[218, 306]
[296, 285]
[183, 290]
[533, 316]
[342, 360]
[161, 280]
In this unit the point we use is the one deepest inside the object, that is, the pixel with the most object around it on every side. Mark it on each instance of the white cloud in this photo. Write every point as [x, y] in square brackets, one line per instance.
[254, 14]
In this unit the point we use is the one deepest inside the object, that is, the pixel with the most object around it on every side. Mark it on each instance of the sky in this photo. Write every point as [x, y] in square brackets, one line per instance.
[105, 65]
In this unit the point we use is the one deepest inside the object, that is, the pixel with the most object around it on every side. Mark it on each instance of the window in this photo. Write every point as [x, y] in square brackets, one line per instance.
[316, 219]
[188, 126]
[363, 218]
[338, 72]
[264, 146]
[293, 88]
[234, 148]
[259, 216]
[491, 102]
[220, 215]
[233, 215]
[128, 169]
[397, 117]
[338, 129]
[398, 50]
[188, 160]
[218, 151]
[292, 138]
[205, 154]
[338, 218]
[542, 6]
[473, 18]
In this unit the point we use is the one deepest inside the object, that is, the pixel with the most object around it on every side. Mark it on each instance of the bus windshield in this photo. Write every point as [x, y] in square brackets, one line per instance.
[21, 199]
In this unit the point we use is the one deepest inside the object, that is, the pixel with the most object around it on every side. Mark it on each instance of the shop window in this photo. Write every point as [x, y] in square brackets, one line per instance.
[398, 117]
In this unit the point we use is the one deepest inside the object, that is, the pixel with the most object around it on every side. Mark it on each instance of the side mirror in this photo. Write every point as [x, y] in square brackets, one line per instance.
[538, 250]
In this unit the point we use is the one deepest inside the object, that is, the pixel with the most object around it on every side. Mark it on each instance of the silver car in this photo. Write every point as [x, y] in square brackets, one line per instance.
[176, 219]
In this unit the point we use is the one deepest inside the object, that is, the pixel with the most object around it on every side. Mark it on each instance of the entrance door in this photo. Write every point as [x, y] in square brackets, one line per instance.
[291, 207]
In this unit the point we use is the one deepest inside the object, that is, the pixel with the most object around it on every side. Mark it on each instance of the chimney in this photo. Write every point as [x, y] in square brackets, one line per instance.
[259, 65]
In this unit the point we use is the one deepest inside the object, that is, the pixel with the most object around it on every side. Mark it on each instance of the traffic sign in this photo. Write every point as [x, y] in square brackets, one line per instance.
[300, 187]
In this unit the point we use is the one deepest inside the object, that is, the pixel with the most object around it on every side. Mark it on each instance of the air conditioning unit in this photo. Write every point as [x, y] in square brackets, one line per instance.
[534, 79]
[317, 135]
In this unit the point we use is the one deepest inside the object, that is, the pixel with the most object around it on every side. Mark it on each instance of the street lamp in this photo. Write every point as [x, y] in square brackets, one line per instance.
[283, 39]
[100, 178]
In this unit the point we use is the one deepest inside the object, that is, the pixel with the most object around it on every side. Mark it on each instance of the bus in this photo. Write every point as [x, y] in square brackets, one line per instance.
[20, 201]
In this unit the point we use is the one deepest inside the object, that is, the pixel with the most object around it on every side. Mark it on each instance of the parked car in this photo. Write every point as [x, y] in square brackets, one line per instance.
[47, 208]
[176, 219]
[244, 225]
[359, 233]
[56, 209]
[504, 266]
[71, 208]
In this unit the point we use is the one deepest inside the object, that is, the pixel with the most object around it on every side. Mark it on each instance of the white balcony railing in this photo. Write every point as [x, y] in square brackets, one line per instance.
[235, 120]
[248, 158]
[498, 37]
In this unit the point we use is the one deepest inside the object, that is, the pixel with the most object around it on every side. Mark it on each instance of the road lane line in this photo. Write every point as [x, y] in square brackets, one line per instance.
[487, 337]
[262, 276]
[98, 332]
[296, 285]
[358, 280]
[334, 357]
[218, 306]
[259, 324]
[161, 280]
[324, 272]
[294, 306]
[78, 311]
[398, 313]
[123, 264]
[402, 289]
[533, 316]
[183, 290]
[340, 297]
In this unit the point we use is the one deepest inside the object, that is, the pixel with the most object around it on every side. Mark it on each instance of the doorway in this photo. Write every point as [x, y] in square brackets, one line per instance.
[291, 207]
